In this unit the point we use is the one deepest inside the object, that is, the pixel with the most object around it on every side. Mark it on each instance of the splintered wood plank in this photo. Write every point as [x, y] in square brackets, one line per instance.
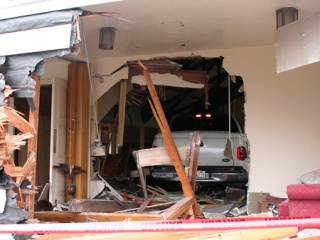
[68, 217]
[178, 208]
[17, 121]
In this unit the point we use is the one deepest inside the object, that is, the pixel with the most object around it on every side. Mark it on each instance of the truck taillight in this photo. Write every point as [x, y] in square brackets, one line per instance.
[241, 153]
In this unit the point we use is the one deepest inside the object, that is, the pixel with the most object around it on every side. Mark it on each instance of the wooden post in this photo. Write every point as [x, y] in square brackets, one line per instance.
[122, 111]
[168, 140]
[32, 144]
[78, 124]
[195, 150]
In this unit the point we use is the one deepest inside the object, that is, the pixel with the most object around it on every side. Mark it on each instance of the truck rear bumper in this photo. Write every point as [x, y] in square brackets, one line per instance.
[204, 175]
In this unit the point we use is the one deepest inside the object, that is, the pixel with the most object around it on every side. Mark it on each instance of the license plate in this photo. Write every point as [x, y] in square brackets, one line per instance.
[201, 174]
[162, 175]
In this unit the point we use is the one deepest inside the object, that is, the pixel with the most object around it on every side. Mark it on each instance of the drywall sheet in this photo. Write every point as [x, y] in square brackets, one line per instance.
[297, 44]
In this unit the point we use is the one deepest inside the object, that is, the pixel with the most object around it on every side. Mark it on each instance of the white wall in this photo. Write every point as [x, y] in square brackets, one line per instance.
[282, 118]
[282, 113]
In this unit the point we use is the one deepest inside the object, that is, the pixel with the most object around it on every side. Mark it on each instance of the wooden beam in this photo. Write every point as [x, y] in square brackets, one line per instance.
[168, 140]
[69, 217]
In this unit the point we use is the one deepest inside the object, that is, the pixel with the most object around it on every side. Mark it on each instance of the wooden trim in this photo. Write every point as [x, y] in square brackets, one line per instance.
[69, 217]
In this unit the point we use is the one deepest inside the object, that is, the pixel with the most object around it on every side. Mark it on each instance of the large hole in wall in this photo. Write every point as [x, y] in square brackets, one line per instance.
[177, 96]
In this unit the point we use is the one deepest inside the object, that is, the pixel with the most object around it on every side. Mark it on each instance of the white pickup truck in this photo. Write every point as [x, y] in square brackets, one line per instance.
[213, 166]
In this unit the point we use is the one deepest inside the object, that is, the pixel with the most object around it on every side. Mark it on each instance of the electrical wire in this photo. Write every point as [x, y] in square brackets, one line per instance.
[229, 113]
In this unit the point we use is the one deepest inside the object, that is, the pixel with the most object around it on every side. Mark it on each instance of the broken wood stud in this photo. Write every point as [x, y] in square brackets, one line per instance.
[179, 208]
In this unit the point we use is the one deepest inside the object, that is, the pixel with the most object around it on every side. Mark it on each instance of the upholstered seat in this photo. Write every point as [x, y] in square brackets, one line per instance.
[303, 201]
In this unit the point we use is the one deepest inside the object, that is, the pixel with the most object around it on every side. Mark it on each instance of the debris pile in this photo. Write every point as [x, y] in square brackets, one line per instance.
[13, 203]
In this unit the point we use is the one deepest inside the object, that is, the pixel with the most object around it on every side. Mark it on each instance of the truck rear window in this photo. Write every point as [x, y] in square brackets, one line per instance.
[218, 122]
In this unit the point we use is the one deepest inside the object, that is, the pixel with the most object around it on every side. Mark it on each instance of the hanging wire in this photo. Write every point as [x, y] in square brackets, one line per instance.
[229, 107]
[98, 139]
[229, 113]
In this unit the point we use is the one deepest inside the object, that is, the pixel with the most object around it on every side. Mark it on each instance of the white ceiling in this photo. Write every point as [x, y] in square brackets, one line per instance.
[161, 26]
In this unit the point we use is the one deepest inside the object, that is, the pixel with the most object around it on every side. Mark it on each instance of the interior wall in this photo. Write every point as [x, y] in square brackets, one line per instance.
[282, 115]
[282, 112]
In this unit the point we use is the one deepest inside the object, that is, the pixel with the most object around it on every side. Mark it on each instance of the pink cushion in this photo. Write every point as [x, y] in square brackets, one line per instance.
[303, 191]
[283, 209]
[304, 208]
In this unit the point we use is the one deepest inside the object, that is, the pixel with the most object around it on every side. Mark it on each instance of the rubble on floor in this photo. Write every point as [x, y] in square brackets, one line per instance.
[118, 212]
